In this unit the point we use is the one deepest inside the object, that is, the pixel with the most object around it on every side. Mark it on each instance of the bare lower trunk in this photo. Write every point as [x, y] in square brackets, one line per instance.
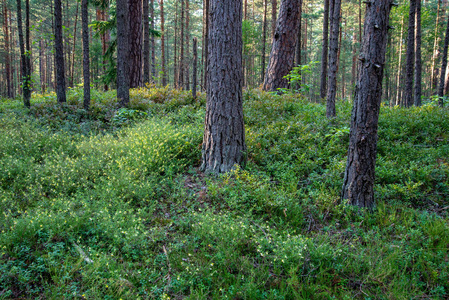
[333, 60]
[59, 54]
[324, 53]
[146, 42]
[135, 43]
[122, 53]
[410, 63]
[195, 67]
[444, 65]
[86, 71]
[418, 64]
[164, 72]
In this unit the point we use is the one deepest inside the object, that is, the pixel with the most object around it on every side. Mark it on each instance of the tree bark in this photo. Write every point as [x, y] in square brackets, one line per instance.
[398, 77]
[164, 75]
[284, 45]
[205, 42]
[358, 185]
[444, 65]
[86, 72]
[146, 42]
[9, 91]
[418, 63]
[333, 59]
[410, 61]
[224, 133]
[122, 53]
[324, 53]
[72, 69]
[195, 66]
[264, 38]
[135, 43]
[181, 54]
[59, 54]
[298, 45]
[187, 54]
[274, 4]
[153, 44]
[433, 73]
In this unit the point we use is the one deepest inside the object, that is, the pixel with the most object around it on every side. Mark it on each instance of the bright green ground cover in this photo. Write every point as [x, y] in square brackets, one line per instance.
[124, 188]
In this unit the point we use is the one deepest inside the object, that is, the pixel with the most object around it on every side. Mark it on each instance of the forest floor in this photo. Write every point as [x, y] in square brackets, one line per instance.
[111, 204]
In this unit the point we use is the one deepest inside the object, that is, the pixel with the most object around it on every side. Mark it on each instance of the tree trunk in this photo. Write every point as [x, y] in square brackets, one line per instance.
[135, 43]
[23, 58]
[224, 133]
[205, 42]
[273, 17]
[72, 69]
[333, 59]
[410, 62]
[195, 66]
[354, 62]
[146, 42]
[9, 91]
[418, 64]
[181, 44]
[102, 15]
[298, 45]
[42, 66]
[434, 74]
[283, 48]
[398, 77]
[86, 72]
[358, 186]
[153, 44]
[59, 54]
[444, 65]
[164, 72]
[187, 54]
[264, 38]
[324, 53]
[122, 53]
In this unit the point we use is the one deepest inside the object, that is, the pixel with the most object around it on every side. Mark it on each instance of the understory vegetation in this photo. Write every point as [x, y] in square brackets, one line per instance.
[111, 205]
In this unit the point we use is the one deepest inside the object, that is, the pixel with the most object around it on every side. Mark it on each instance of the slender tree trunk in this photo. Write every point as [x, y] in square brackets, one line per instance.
[146, 42]
[298, 44]
[72, 69]
[27, 91]
[444, 65]
[135, 43]
[122, 53]
[418, 64]
[284, 45]
[358, 186]
[224, 134]
[187, 54]
[333, 60]
[153, 44]
[164, 72]
[410, 63]
[181, 44]
[9, 91]
[23, 57]
[434, 74]
[206, 42]
[264, 38]
[195, 66]
[86, 61]
[324, 54]
[398, 77]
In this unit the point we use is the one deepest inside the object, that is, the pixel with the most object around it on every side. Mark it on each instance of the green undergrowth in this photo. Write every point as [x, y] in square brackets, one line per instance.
[110, 204]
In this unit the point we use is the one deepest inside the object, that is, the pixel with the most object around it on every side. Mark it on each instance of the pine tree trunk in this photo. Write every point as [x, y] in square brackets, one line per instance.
[273, 17]
[410, 61]
[358, 186]
[72, 69]
[418, 63]
[195, 67]
[398, 77]
[324, 53]
[146, 42]
[298, 44]
[187, 54]
[135, 43]
[181, 54]
[9, 91]
[153, 44]
[122, 53]
[354, 62]
[224, 133]
[284, 44]
[59, 54]
[333, 59]
[434, 74]
[444, 65]
[164, 72]
[86, 71]
[264, 38]
[23, 56]
[205, 42]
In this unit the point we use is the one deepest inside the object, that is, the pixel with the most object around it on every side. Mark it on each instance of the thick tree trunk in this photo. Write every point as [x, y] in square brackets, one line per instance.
[146, 42]
[444, 65]
[418, 63]
[195, 67]
[354, 62]
[333, 59]
[135, 43]
[284, 45]
[206, 42]
[274, 5]
[410, 61]
[59, 54]
[122, 53]
[164, 72]
[324, 53]
[86, 72]
[224, 133]
[358, 186]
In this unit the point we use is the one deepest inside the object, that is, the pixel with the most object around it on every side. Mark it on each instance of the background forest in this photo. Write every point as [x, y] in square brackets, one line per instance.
[108, 201]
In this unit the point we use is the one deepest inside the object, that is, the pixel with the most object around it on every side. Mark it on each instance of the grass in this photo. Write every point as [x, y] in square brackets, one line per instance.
[111, 205]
